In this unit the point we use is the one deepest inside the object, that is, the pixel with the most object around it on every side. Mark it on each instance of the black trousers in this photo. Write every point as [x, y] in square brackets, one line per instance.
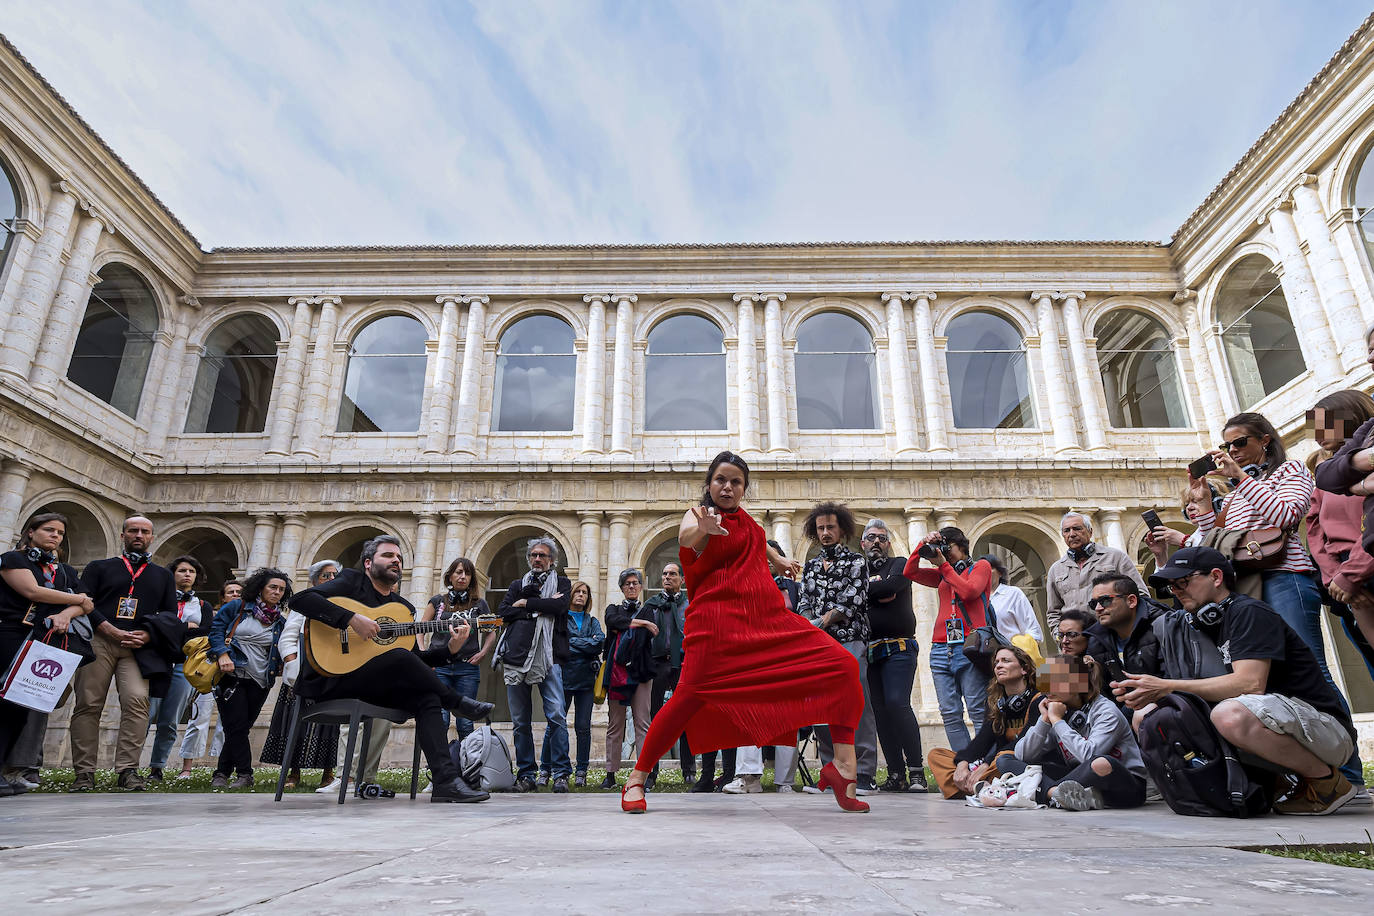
[1120, 788]
[13, 717]
[662, 684]
[239, 700]
[399, 680]
[727, 765]
[889, 688]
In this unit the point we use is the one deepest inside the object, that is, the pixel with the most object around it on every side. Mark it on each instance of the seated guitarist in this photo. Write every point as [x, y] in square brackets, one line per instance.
[401, 680]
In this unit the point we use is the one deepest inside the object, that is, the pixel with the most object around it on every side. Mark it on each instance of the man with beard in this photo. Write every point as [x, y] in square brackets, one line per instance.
[834, 595]
[400, 680]
[892, 654]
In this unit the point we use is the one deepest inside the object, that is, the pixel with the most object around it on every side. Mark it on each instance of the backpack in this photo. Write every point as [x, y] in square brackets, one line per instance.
[981, 644]
[1195, 769]
[484, 759]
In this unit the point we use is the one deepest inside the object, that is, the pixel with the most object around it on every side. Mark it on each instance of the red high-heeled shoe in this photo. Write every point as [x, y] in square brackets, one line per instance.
[633, 807]
[831, 779]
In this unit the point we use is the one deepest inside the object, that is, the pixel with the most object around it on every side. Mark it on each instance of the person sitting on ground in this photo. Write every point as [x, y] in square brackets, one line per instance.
[1123, 638]
[1072, 631]
[1013, 706]
[1273, 702]
[1084, 746]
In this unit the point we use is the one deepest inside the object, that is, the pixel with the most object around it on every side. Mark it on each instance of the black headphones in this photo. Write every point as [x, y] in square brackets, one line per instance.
[37, 555]
[1209, 615]
[1078, 720]
[1079, 554]
[961, 565]
[1015, 707]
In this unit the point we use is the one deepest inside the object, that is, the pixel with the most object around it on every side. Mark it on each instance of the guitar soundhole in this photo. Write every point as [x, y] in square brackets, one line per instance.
[385, 637]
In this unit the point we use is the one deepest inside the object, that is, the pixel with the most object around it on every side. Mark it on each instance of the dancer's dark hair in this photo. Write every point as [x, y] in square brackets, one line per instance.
[725, 457]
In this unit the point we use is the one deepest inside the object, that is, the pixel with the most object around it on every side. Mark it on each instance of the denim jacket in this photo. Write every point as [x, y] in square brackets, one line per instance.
[226, 618]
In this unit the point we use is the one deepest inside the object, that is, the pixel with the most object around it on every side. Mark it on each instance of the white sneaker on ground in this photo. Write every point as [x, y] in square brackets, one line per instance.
[331, 786]
[744, 785]
[428, 789]
[1072, 796]
[812, 790]
[786, 788]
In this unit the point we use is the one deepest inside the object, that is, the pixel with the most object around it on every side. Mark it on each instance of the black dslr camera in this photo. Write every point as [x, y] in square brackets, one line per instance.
[933, 549]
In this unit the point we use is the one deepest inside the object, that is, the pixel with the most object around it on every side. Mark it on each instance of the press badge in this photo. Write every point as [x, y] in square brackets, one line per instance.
[126, 609]
[954, 630]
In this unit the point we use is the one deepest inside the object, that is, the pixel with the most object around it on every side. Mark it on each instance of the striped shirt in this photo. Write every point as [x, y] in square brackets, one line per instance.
[1280, 500]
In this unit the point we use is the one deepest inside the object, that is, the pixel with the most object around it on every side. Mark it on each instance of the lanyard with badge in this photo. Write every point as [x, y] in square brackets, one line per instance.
[127, 608]
[49, 581]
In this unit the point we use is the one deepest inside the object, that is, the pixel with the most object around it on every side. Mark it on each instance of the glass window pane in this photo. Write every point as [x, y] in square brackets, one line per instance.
[115, 342]
[685, 375]
[234, 382]
[1139, 371]
[385, 387]
[834, 371]
[536, 376]
[9, 212]
[986, 361]
[1257, 334]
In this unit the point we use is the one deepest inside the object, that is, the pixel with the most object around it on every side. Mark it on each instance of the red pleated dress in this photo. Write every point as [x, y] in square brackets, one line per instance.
[761, 670]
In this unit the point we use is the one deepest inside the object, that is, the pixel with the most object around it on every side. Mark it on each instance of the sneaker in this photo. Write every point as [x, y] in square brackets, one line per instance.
[560, 785]
[744, 785]
[219, 781]
[866, 787]
[1152, 791]
[895, 783]
[917, 782]
[325, 789]
[155, 774]
[20, 783]
[525, 784]
[580, 780]
[1360, 799]
[1318, 796]
[242, 782]
[84, 782]
[609, 781]
[130, 781]
[7, 788]
[786, 788]
[428, 789]
[543, 781]
[1073, 796]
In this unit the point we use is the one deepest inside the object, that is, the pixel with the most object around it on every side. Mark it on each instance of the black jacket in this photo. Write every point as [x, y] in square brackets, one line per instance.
[1141, 654]
[889, 601]
[520, 621]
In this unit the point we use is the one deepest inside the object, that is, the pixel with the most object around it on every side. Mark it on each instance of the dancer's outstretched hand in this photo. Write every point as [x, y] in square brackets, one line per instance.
[708, 522]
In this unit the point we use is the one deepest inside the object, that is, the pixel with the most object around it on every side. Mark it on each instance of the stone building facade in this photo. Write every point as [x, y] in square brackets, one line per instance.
[282, 405]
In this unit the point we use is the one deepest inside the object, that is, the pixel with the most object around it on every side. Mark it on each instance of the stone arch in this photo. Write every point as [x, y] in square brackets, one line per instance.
[331, 539]
[650, 317]
[1042, 534]
[652, 535]
[200, 523]
[162, 298]
[1170, 317]
[214, 544]
[499, 323]
[1339, 192]
[369, 312]
[1207, 293]
[28, 201]
[91, 533]
[499, 532]
[1014, 314]
[207, 324]
[872, 321]
[1026, 546]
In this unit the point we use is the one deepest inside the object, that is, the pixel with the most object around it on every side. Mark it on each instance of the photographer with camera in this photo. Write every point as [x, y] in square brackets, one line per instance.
[1069, 580]
[963, 608]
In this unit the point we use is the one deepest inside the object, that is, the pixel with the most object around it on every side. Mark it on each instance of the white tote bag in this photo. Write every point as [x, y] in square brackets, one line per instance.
[38, 676]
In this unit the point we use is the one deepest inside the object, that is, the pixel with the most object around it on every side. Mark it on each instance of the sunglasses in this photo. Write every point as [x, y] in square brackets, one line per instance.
[1095, 603]
[878, 538]
[1238, 442]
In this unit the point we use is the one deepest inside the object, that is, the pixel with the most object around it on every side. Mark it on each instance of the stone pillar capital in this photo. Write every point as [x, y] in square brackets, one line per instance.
[1069, 294]
[1283, 205]
[589, 516]
[1039, 296]
[774, 297]
[1184, 296]
[190, 301]
[428, 515]
[263, 518]
[748, 297]
[65, 186]
[300, 300]
[474, 300]
[448, 298]
[596, 297]
[631, 298]
[620, 518]
[898, 297]
[293, 518]
[329, 300]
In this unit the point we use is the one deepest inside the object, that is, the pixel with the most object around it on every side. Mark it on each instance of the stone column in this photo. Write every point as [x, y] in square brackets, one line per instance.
[746, 375]
[178, 378]
[925, 602]
[292, 537]
[455, 537]
[930, 371]
[903, 406]
[1062, 424]
[776, 372]
[441, 398]
[26, 235]
[1088, 382]
[946, 518]
[290, 369]
[1332, 281]
[1112, 530]
[264, 533]
[781, 520]
[314, 410]
[617, 553]
[594, 377]
[14, 481]
[1203, 372]
[469, 390]
[1309, 318]
[1349, 238]
[422, 564]
[63, 318]
[20, 341]
[589, 521]
[622, 393]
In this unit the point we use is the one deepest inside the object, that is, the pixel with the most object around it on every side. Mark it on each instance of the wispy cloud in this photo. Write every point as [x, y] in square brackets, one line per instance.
[354, 123]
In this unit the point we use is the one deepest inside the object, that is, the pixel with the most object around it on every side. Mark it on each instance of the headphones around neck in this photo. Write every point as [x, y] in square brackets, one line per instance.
[38, 555]
[1210, 614]
[1078, 719]
[1015, 707]
[1079, 554]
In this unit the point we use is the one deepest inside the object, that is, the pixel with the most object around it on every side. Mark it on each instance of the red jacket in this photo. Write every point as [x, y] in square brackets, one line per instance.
[971, 586]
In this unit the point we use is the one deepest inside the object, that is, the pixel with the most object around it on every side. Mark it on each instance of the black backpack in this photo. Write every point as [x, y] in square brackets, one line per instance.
[1195, 769]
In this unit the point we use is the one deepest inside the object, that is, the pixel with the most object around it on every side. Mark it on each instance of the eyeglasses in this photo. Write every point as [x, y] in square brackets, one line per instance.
[1238, 442]
[1095, 603]
[539, 556]
[1072, 634]
[1179, 585]
[877, 538]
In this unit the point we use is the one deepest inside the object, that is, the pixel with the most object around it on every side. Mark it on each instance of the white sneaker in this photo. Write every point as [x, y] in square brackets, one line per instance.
[1073, 796]
[331, 786]
[812, 790]
[744, 785]
[786, 788]
[428, 789]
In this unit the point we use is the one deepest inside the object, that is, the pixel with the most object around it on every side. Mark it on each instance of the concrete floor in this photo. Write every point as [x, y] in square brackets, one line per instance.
[192, 854]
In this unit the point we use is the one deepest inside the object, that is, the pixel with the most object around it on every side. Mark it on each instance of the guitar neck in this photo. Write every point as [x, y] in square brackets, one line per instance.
[413, 628]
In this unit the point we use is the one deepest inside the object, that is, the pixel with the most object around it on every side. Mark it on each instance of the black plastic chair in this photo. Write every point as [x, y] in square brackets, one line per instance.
[343, 712]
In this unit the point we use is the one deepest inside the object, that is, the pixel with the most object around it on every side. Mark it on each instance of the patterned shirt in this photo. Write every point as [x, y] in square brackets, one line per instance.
[843, 588]
[1280, 500]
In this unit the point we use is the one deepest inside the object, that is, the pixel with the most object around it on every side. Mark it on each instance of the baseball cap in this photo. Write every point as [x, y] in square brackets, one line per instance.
[1190, 560]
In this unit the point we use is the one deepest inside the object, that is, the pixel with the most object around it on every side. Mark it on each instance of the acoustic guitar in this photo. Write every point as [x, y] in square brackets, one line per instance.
[333, 652]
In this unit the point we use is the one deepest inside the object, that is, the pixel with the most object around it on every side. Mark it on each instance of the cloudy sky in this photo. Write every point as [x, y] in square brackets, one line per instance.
[317, 122]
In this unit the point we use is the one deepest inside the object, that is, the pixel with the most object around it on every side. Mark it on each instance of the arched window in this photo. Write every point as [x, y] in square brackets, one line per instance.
[115, 342]
[684, 373]
[986, 359]
[1256, 330]
[661, 556]
[1364, 201]
[385, 387]
[212, 548]
[536, 376]
[834, 373]
[234, 381]
[1025, 567]
[1139, 371]
[9, 213]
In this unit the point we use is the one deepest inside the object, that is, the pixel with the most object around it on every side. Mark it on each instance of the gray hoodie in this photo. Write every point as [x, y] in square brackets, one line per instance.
[1106, 733]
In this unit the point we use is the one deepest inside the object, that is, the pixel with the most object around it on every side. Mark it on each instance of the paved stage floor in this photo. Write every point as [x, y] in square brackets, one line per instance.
[547, 854]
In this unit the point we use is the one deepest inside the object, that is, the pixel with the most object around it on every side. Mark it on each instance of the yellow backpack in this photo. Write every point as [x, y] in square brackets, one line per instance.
[200, 669]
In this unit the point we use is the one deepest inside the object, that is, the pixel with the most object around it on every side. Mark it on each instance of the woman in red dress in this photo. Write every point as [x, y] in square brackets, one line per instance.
[753, 672]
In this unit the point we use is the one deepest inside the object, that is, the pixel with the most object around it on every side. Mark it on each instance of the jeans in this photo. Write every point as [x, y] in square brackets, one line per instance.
[958, 684]
[582, 728]
[889, 684]
[1298, 601]
[521, 715]
[165, 715]
[464, 679]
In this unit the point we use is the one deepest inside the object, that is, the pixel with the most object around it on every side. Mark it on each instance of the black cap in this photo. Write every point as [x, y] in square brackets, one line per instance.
[1190, 560]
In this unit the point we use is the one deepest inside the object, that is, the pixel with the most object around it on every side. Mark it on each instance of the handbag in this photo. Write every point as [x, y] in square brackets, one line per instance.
[1250, 550]
[200, 670]
[981, 643]
[39, 674]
